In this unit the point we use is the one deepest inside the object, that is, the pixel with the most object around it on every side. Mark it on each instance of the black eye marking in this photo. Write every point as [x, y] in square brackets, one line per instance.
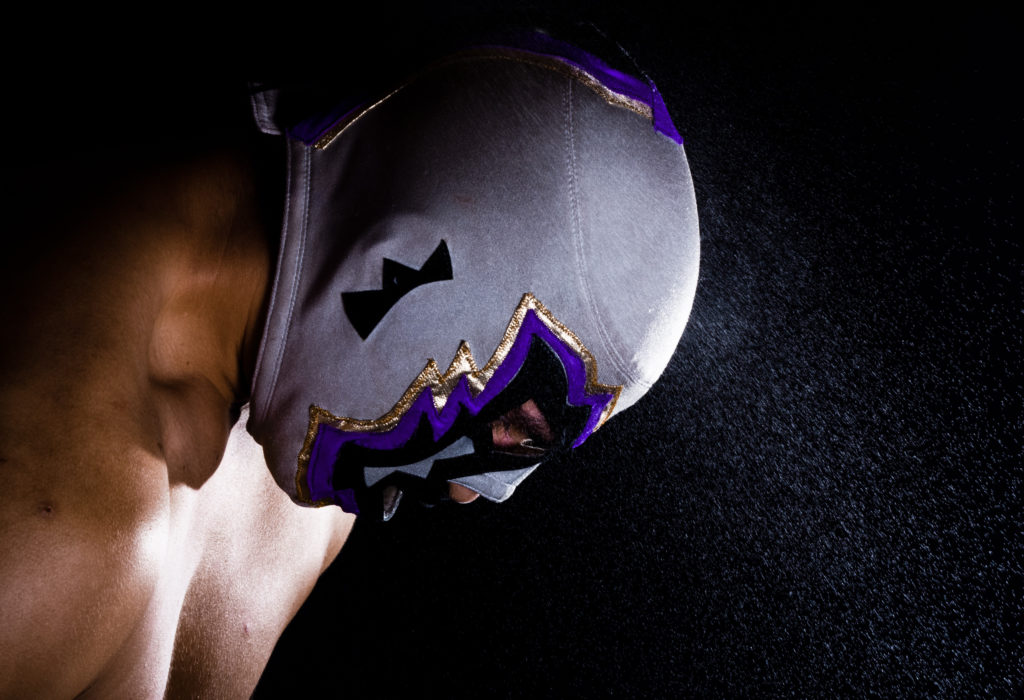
[366, 309]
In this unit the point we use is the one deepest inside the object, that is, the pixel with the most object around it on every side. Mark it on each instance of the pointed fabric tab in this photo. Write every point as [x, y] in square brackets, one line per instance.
[438, 266]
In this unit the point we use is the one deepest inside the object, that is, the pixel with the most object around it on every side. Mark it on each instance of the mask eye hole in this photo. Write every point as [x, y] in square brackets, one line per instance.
[522, 431]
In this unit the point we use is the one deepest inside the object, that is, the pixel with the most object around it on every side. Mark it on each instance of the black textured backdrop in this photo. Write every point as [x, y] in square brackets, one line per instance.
[823, 495]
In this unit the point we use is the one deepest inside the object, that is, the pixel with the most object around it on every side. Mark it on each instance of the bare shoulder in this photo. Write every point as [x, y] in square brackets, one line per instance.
[84, 511]
[116, 510]
[262, 554]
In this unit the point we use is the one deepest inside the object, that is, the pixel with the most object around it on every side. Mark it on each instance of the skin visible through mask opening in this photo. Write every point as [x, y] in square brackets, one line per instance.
[523, 430]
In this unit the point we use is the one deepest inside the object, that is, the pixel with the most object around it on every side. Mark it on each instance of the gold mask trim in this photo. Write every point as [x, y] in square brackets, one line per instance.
[548, 62]
[442, 385]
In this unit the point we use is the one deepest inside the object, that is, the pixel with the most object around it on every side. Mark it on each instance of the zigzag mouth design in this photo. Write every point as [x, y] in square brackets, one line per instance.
[440, 398]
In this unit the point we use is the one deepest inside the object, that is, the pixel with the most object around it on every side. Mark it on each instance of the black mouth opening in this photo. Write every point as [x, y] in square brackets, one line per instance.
[541, 378]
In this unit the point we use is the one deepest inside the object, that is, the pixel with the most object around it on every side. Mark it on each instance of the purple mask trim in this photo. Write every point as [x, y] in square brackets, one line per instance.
[615, 80]
[310, 130]
[329, 440]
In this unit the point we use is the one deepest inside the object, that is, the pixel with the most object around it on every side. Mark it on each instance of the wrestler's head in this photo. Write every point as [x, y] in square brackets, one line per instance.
[523, 218]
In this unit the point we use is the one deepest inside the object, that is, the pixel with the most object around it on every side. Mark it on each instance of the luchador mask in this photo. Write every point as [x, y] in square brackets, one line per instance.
[425, 227]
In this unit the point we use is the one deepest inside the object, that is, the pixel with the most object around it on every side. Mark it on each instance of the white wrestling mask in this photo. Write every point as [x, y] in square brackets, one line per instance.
[421, 233]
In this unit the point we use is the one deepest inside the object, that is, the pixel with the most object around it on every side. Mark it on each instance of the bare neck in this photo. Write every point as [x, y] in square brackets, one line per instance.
[215, 269]
[178, 248]
[221, 273]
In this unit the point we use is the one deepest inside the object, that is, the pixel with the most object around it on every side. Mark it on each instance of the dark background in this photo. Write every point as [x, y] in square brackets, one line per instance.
[823, 496]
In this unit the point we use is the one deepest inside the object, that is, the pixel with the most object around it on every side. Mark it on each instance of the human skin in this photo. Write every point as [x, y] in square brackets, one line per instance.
[145, 549]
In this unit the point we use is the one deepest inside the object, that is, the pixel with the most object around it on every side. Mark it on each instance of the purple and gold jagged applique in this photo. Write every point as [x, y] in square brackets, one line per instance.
[440, 397]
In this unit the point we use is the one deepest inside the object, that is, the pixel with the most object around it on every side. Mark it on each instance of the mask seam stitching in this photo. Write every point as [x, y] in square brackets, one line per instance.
[295, 276]
[260, 411]
[577, 225]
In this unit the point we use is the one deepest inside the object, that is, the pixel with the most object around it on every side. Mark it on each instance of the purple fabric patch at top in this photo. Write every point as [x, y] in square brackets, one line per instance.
[311, 129]
[615, 80]
[329, 440]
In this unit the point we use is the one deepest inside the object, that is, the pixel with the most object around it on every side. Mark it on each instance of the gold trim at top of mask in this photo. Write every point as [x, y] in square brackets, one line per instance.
[496, 53]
